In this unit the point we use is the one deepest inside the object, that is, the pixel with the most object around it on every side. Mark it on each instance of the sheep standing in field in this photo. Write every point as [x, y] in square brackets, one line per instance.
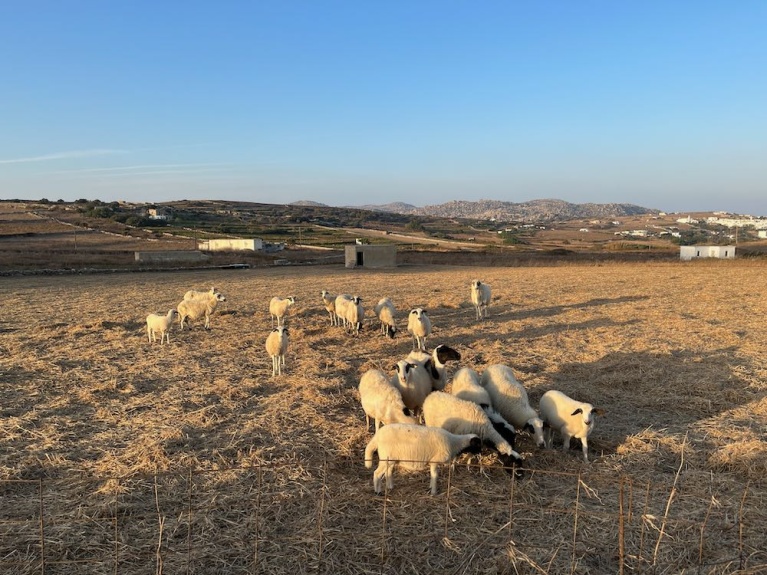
[329, 301]
[413, 382]
[382, 401]
[384, 310]
[419, 324]
[199, 304]
[480, 297]
[413, 447]
[156, 323]
[466, 386]
[570, 417]
[278, 308]
[458, 416]
[342, 302]
[277, 346]
[509, 398]
[435, 363]
[354, 313]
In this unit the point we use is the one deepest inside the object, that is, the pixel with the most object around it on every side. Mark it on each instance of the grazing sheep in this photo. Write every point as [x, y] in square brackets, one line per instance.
[384, 309]
[480, 297]
[509, 398]
[570, 417]
[382, 401]
[159, 323]
[419, 324]
[329, 301]
[458, 416]
[199, 304]
[413, 447]
[342, 301]
[354, 314]
[278, 308]
[413, 382]
[435, 363]
[277, 346]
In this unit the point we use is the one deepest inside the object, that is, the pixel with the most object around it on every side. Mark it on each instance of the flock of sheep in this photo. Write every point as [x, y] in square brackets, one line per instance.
[423, 425]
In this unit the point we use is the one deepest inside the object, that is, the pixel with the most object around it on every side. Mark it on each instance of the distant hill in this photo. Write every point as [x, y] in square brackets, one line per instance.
[535, 210]
[309, 203]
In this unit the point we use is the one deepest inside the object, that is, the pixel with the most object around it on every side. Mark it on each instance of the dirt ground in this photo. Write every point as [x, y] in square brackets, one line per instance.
[121, 456]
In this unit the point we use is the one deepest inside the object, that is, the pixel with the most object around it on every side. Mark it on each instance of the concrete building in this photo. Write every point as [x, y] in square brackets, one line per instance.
[371, 256]
[230, 244]
[687, 253]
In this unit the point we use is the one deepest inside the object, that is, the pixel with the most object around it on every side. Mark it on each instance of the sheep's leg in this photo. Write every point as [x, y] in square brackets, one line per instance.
[389, 475]
[378, 475]
[585, 446]
[565, 441]
[367, 422]
[434, 471]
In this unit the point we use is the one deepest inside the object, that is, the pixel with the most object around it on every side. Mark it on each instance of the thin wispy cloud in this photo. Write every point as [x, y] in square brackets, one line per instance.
[63, 156]
[116, 170]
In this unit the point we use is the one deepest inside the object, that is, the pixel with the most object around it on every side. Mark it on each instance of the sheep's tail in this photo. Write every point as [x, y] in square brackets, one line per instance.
[371, 448]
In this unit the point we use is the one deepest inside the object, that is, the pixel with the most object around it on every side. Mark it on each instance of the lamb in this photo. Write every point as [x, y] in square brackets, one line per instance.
[480, 297]
[159, 323]
[329, 301]
[342, 301]
[382, 401]
[353, 314]
[435, 363]
[419, 324]
[413, 382]
[277, 346]
[509, 398]
[199, 304]
[278, 308]
[384, 309]
[459, 416]
[570, 417]
[413, 447]
[466, 386]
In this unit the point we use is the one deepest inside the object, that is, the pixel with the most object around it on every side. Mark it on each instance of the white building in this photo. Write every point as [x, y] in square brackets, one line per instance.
[687, 253]
[227, 244]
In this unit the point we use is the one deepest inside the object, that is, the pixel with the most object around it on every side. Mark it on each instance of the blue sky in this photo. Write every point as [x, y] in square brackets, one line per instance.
[660, 104]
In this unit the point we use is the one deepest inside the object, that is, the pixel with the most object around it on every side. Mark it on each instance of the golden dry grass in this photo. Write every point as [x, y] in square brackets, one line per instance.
[121, 456]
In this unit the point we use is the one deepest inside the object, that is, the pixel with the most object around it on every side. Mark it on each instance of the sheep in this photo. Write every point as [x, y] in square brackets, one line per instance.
[419, 324]
[329, 301]
[199, 304]
[384, 309]
[413, 447]
[570, 417]
[341, 303]
[413, 382]
[509, 398]
[480, 297]
[434, 363]
[459, 416]
[159, 323]
[277, 346]
[353, 314]
[382, 401]
[466, 386]
[278, 308]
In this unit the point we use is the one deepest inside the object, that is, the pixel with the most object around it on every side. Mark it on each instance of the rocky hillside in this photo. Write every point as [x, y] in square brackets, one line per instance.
[533, 211]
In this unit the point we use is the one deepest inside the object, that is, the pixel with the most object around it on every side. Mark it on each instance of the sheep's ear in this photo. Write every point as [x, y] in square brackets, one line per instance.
[598, 411]
[529, 427]
[413, 312]
[577, 411]
[406, 411]
[396, 367]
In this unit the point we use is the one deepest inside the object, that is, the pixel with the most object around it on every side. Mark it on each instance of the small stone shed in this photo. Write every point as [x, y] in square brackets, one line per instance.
[371, 256]
[687, 253]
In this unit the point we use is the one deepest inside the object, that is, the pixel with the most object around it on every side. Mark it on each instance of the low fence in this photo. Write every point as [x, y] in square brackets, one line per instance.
[287, 518]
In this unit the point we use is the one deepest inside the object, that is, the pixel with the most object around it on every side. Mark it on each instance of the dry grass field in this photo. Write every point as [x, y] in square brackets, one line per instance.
[120, 456]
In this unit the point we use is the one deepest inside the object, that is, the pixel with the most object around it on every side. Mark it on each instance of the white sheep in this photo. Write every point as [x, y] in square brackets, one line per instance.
[419, 324]
[329, 301]
[435, 363]
[354, 313]
[385, 312]
[342, 301]
[382, 401]
[413, 447]
[277, 346]
[570, 417]
[199, 304]
[156, 323]
[509, 398]
[413, 382]
[480, 297]
[278, 308]
[458, 416]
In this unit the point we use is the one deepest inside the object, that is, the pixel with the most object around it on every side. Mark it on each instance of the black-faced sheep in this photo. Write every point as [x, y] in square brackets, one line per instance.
[385, 312]
[413, 382]
[382, 401]
[277, 346]
[569, 417]
[419, 325]
[435, 363]
[413, 447]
